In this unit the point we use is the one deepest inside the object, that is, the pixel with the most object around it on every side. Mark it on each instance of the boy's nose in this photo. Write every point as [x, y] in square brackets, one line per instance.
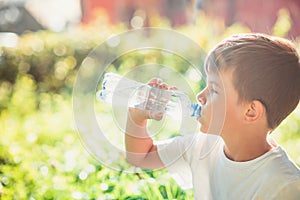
[201, 97]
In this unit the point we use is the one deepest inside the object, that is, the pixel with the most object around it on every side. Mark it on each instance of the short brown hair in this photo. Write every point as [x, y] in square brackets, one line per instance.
[265, 68]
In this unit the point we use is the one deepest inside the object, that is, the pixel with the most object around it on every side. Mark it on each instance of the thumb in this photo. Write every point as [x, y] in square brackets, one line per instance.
[156, 115]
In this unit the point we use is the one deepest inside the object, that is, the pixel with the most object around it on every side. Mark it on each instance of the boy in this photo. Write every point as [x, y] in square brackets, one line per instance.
[253, 83]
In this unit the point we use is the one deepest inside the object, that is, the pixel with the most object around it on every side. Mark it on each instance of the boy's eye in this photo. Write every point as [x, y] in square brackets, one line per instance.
[213, 91]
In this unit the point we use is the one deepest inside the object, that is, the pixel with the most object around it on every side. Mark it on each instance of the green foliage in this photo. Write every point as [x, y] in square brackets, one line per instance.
[41, 155]
[283, 23]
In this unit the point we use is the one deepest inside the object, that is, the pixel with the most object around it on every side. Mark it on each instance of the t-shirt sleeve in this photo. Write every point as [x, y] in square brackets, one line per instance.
[173, 154]
[291, 191]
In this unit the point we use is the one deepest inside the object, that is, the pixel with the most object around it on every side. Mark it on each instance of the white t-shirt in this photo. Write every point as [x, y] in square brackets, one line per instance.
[198, 161]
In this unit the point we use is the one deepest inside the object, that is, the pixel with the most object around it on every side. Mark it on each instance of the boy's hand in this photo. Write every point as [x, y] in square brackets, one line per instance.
[139, 116]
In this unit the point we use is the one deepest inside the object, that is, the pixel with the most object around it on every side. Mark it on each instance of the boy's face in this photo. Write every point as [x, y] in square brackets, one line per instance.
[221, 113]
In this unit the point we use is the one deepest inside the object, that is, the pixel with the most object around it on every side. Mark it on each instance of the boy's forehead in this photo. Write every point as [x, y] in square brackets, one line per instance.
[220, 78]
[213, 76]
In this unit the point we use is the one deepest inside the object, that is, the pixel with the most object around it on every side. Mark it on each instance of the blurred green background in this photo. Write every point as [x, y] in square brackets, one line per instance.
[41, 155]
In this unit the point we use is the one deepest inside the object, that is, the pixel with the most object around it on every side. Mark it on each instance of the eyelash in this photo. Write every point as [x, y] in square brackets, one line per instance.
[212, 91]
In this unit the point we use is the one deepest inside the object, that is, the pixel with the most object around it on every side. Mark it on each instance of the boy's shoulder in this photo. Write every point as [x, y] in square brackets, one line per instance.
[284, 174]
[281, 162]
[279, 168]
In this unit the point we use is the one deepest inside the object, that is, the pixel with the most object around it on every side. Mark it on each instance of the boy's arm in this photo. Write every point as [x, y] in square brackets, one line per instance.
[140, 150]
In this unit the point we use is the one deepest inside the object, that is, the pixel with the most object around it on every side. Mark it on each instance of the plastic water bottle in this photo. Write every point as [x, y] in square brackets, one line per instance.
[121, 91]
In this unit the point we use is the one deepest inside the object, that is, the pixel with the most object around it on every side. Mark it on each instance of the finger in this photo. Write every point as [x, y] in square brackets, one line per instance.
[173, 88]
[156, 115]
[158, 83]
[154, 82]
[163, 86]
[149, 115]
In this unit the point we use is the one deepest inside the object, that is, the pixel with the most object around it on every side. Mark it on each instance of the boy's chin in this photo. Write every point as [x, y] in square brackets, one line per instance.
[203, 129]
[206, 131]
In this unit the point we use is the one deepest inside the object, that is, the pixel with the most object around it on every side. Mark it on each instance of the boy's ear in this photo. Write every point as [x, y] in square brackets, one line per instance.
[254, 111]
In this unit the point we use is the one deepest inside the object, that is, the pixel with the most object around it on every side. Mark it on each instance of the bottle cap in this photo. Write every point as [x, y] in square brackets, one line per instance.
[196, 110]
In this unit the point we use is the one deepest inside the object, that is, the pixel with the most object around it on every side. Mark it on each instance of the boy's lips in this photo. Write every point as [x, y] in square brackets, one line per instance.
[200, 119]
[202, 115]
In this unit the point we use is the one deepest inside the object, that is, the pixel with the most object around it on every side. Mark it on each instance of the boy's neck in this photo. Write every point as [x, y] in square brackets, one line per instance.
[247, 146]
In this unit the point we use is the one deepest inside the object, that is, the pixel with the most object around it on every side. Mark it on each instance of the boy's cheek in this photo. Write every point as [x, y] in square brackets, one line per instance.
[215, 112]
